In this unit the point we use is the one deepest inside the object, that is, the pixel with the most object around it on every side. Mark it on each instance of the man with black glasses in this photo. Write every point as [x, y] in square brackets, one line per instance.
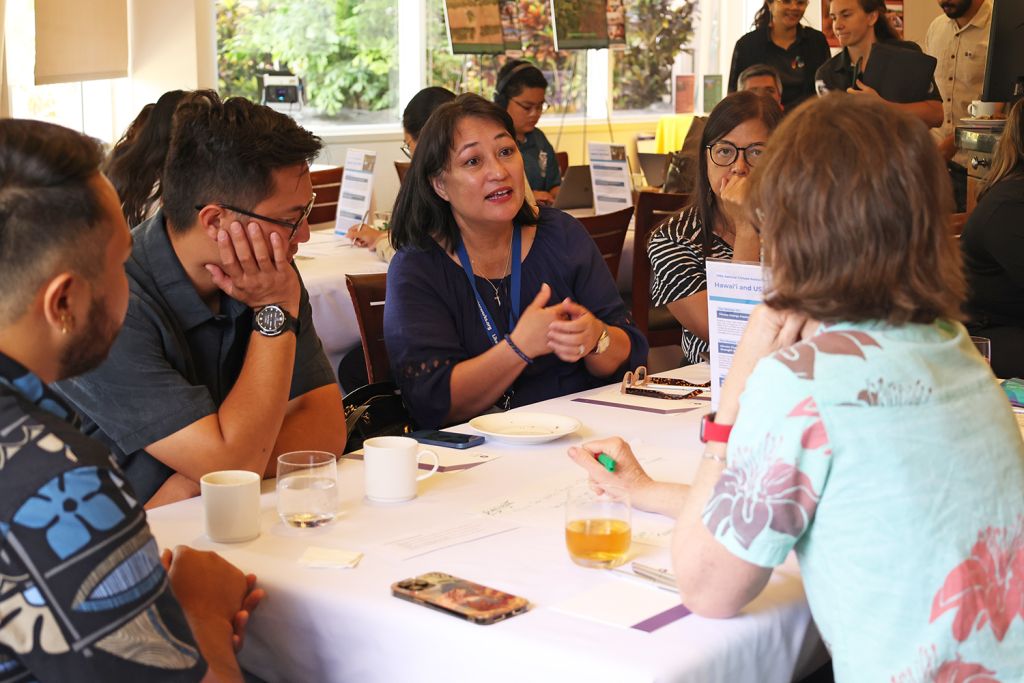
[218, 365]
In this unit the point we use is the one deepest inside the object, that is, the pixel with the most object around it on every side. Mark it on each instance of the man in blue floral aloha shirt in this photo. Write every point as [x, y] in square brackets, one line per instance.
[84, 593]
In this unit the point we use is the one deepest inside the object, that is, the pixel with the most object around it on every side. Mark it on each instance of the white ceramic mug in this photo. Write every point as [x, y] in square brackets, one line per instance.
[984, 110]
[391, 464]
[231, 505]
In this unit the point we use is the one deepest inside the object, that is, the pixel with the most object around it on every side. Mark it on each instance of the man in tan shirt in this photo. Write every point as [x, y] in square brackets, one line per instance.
[959, 40]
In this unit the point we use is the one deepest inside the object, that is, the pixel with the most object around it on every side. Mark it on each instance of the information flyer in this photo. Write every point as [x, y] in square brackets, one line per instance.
[356, 190]
[734, 288]
[609, 176]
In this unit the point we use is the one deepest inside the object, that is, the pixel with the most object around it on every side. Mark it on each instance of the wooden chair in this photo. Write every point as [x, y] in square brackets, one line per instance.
[660, 326]
[563, 162]
[402, 167]
[367, 293]
[609, 233]
[327, 185]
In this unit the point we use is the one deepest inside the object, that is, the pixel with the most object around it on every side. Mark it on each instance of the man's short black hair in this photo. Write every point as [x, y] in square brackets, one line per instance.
[226, 152]
[48, 210]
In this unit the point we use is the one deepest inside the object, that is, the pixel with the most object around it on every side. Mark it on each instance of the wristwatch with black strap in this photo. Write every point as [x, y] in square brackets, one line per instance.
[272, 320]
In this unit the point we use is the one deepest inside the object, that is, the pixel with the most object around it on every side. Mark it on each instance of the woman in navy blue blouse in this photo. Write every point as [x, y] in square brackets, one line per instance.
[490, 304]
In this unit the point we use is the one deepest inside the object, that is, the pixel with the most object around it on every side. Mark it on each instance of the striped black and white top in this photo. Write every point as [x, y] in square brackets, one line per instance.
[678, 270]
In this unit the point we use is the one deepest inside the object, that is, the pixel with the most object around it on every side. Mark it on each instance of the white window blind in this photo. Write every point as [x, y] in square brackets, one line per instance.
[81, 41]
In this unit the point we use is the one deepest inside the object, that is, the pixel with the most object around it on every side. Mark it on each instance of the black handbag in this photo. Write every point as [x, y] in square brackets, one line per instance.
[375, 410]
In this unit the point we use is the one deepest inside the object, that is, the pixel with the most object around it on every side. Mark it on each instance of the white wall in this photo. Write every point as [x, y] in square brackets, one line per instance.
[917, 15]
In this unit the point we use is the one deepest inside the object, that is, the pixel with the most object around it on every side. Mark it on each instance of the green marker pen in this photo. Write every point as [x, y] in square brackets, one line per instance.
[607, 461]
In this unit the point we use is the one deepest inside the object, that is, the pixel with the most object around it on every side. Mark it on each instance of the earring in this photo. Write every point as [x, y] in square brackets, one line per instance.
[65, 323]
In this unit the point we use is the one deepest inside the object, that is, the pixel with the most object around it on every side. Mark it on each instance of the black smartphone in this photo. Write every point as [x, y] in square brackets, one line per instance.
[435, 437]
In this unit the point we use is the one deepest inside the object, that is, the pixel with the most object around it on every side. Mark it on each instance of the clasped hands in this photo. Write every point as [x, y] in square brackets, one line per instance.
[565, 329]
[256, 268]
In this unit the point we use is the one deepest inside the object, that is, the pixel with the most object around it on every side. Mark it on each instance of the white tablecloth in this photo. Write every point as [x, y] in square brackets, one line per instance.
[323, 263]
[344, 625]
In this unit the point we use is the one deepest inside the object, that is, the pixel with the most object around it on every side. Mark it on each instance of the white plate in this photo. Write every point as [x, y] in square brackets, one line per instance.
[982, 123]
[524, 428]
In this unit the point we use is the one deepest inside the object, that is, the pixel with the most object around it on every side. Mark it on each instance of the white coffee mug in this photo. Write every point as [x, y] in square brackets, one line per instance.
[984, 110]
[391, 464]
[231, 505]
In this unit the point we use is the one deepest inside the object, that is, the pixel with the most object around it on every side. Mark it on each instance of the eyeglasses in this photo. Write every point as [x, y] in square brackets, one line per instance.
[530, 108]
[406, 150]
[634, 382]
[726, 153]
[276, 221]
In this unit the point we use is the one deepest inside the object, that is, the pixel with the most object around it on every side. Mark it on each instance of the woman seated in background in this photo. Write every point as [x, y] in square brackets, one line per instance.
[521, 90]
[491, 304]
[993, 248]
[714, 224]
[415, 116]
[840, 432]
[859, 25]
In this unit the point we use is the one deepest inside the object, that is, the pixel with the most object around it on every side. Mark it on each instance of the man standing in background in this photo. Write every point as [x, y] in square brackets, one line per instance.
[959, 40]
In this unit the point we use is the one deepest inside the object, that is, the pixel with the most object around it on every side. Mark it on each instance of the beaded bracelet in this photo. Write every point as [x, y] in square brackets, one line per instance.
[519, 351]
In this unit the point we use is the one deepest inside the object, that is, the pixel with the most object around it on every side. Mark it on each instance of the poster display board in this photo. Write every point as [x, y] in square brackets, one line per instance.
[580, 24]
[474, 26]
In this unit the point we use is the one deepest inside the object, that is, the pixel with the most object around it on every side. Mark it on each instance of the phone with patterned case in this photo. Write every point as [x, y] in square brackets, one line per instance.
[458, 597]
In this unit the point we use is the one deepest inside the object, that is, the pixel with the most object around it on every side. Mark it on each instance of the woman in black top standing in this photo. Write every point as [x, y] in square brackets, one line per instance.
[780, 40]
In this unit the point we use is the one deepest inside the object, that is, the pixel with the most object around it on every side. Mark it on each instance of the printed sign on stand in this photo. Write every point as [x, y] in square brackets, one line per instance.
[356, 193]
[734, 289]
[609, 176]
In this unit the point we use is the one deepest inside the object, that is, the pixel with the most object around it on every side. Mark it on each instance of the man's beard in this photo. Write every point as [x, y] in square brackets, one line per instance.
[90, 344]
[955, 9]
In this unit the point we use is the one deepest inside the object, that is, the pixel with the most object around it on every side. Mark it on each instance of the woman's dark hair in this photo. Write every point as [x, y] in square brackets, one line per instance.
[49, 209]
[226, 152]
[421, 106]
[732, 111]
[515, 76]
[137, 160]
[420, 216]
[763, 17]
[854, 201]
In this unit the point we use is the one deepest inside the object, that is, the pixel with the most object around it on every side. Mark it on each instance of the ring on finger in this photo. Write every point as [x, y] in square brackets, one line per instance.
[581, 350]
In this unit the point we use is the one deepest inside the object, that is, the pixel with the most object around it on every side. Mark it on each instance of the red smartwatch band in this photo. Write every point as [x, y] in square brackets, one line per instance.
[712, 431]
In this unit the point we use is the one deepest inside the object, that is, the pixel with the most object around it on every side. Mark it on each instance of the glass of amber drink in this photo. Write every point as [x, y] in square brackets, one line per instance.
[597, 526]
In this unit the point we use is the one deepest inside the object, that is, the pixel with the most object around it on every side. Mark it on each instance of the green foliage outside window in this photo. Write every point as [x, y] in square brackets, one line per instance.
[656, 31]
[346, 51]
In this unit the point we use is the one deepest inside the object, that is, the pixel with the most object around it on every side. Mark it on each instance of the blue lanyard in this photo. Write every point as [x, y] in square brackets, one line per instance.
[485, 317]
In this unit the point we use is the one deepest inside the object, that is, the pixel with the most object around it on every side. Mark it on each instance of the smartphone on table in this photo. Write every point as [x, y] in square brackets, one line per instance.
[458, 597]
[434, 437]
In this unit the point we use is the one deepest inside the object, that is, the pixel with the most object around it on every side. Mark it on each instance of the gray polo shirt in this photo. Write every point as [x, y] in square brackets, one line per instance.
[175, 361]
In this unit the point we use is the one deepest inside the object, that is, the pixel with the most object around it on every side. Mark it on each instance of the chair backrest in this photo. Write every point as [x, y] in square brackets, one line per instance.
[608, 231]
[367, 293]
[402, 167]
[563, 162]
[327, 185]
[651, 209]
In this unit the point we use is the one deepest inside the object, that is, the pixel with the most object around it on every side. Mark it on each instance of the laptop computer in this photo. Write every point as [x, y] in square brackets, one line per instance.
[576, 191]
[654, 167]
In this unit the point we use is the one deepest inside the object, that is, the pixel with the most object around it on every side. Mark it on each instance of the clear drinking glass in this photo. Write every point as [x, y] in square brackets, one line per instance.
[307, 488]
[984, 346]
[597, 526]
